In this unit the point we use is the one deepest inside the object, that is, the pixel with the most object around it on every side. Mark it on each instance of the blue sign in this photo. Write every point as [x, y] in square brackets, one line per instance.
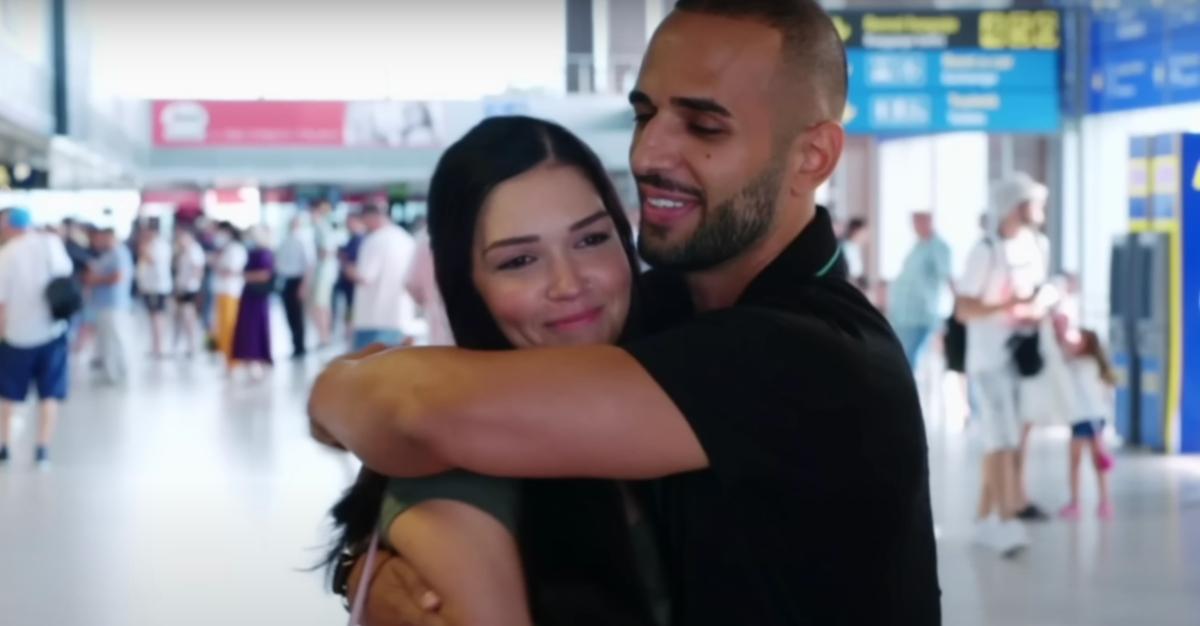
[1145, 58]
[953, 89]
[1189, 410]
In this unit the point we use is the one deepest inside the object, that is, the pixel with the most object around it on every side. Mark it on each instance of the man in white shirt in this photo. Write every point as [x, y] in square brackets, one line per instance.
[154, 280]
[998, 296]
[382, 305]
[34, 346]
[294, 263]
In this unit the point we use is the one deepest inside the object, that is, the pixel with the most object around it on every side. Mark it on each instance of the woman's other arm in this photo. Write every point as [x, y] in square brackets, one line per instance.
[468, 557]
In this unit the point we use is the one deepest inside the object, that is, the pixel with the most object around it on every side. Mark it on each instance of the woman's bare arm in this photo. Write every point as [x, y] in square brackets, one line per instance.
[468, 557]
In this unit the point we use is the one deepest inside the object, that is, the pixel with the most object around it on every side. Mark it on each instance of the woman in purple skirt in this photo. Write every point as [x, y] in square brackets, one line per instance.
[252, 339]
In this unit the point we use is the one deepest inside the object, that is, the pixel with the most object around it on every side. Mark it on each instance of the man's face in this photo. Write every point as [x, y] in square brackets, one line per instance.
[705, 152]
[1033, 213]
[373, 221]
[923, 225]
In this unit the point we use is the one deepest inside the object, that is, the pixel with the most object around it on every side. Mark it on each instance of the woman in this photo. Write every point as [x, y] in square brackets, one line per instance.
[320, 292]
[252, 335]
[227, 286]
[531, 248]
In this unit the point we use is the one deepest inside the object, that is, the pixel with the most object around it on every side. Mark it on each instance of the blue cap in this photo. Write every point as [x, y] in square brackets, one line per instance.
[19, 218]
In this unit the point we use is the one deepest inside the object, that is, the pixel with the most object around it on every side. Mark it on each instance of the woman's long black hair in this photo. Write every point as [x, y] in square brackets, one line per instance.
[496, 150]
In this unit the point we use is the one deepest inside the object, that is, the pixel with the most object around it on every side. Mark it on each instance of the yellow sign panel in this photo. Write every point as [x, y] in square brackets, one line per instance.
[1020, 30]
[1196, 177]
[1139, 178]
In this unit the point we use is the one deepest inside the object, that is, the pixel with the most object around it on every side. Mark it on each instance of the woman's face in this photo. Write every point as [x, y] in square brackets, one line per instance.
[548, 262]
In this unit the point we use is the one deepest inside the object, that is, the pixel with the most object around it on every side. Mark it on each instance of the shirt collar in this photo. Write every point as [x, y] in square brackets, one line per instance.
[813, 255]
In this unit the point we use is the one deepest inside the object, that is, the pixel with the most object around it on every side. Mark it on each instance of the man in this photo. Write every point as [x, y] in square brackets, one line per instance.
[108, 277]
[347, 257]
[998, 295]
[76, 238]
[853, 241]
[780, 420]
[917, 298]
[34, 348]
[295, 262]
[154, 280]
[382, 306]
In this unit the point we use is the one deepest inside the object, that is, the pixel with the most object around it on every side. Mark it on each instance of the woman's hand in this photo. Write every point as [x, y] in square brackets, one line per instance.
[397, 596]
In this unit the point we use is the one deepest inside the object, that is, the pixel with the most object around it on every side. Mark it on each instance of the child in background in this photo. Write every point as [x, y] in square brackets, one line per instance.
[1093, 379]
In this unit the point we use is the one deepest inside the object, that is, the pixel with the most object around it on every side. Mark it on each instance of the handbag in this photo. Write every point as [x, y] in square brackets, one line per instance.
[264, 288]
[62, 293]
[954, 343]
[358, 605]
[1027, 353]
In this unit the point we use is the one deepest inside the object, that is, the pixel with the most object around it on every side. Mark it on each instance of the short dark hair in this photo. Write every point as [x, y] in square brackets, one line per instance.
[372, 208]
[812, 47]
[854, 225]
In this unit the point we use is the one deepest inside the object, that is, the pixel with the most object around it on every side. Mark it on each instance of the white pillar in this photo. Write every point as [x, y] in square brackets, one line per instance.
[600, 46]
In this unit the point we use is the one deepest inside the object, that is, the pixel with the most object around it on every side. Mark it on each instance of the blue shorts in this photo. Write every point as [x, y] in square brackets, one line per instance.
[1087, 429]
[44, 365]
[364, 338]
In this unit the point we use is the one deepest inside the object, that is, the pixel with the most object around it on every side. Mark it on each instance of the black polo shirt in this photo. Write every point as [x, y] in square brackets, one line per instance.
[815, 509]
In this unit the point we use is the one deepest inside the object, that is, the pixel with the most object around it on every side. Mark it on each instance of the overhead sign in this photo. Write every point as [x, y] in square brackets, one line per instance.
[265, 124]
[1145, 57]
[926, 71]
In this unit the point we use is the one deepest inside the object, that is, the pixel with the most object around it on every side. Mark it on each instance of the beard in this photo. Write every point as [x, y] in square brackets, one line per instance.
[723, 233]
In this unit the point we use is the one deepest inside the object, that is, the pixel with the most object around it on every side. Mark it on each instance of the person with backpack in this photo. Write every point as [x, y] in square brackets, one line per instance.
[35, 304]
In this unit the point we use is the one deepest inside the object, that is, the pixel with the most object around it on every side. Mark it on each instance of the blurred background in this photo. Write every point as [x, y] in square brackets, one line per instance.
[186, 496]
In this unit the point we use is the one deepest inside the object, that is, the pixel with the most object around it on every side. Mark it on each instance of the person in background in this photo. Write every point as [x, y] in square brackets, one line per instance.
[252, 334]
[853, 241]
[77, 239]
[382, 306]
[228, 283]
[206, 236]
[320, 292]
[1093, 379]
[154, 281]
[347, 257]
[997, 296]
[190, 268]
[33, 350]
[422, 287]
[108, 279]
[295, 262]
[918, 298]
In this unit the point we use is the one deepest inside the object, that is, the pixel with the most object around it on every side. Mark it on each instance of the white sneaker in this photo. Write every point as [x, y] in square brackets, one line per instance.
[987, 532]
[1011, 538]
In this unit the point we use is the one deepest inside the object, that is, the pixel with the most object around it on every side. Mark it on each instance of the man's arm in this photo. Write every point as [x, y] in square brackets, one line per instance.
[561, 412]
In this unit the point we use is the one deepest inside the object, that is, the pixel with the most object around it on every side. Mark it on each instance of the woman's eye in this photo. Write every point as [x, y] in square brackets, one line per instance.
[594, 239]
[517, 263]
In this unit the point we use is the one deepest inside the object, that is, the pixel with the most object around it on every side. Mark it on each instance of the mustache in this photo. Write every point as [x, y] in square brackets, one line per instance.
[666, 184]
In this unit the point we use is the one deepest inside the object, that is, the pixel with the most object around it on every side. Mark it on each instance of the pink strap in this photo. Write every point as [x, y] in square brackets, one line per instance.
[360, 597]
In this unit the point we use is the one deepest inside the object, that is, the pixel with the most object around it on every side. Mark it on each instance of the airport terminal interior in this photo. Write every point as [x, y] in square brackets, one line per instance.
[211, 178]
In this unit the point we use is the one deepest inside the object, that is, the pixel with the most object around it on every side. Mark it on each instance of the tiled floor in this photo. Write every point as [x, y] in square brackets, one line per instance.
[188, 499]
